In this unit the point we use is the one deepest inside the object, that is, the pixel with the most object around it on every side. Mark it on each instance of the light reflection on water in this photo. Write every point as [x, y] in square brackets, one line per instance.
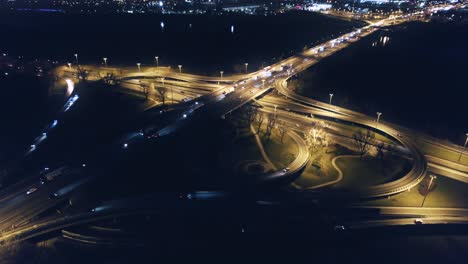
[381, 42]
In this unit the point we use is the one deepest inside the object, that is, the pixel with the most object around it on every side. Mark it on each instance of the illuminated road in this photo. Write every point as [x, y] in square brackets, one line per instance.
[218, 100]
[246, 88]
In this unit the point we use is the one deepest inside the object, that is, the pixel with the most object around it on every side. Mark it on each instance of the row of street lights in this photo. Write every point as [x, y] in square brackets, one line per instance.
[105, 61]
[156, 58]
[378, 113]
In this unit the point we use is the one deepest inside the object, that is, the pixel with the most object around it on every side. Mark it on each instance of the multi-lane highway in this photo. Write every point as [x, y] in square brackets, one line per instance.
[218, 96]
[244, 88]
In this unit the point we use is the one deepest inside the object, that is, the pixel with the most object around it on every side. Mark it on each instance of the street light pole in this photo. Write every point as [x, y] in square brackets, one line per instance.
[157, 61]
[378, 116]
[180, 68]
[105, 61]
[76, 57]
[246, 64]
[221, 73]
[378, 119]
[428, 188]
[464, 147]
[139, 67]
[331, 97]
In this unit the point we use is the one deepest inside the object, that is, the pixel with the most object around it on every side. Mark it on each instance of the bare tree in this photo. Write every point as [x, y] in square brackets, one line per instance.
[270, 124]
[380, 151]
[82, 73]
[251, 113]
[317, 136]
[282, 129]
[363, 141]
[9, 250]
[161, 93]
[110, 78]
[260, 119]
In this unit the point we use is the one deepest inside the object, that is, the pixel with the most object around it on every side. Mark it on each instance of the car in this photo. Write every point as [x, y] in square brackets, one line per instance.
[31, 190]
[339, 228]
[155, 135]
[285, 169]
[53, 196]
[418, 221]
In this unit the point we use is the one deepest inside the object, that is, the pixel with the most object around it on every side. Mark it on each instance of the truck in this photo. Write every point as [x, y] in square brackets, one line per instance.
[47, 175]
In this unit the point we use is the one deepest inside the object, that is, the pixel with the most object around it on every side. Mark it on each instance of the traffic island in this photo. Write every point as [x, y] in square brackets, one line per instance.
[368, 171]
[320, 171]
[443, 192]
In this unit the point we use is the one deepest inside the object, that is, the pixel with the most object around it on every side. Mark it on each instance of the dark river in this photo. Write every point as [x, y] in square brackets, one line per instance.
[202, 44]
[415, 74]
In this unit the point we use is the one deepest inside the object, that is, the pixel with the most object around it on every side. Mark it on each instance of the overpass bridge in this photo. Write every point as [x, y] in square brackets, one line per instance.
[233, 92]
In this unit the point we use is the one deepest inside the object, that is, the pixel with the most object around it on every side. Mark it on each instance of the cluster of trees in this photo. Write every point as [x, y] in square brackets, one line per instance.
[83, 74]
[269, 119]
[316, 136]
[365, 142]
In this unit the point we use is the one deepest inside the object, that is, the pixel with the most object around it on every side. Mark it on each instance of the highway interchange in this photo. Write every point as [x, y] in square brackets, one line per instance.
[217, 97]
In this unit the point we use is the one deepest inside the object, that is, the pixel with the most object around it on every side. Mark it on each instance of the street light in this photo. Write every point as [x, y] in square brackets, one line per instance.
[433, 177]
[221, 73]
[464, 146]
[331, 97]
[139, 66]
[378, 116]
[246, 64]
[157, 61]
[76, 57]
[180, 68]
[105, 61]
